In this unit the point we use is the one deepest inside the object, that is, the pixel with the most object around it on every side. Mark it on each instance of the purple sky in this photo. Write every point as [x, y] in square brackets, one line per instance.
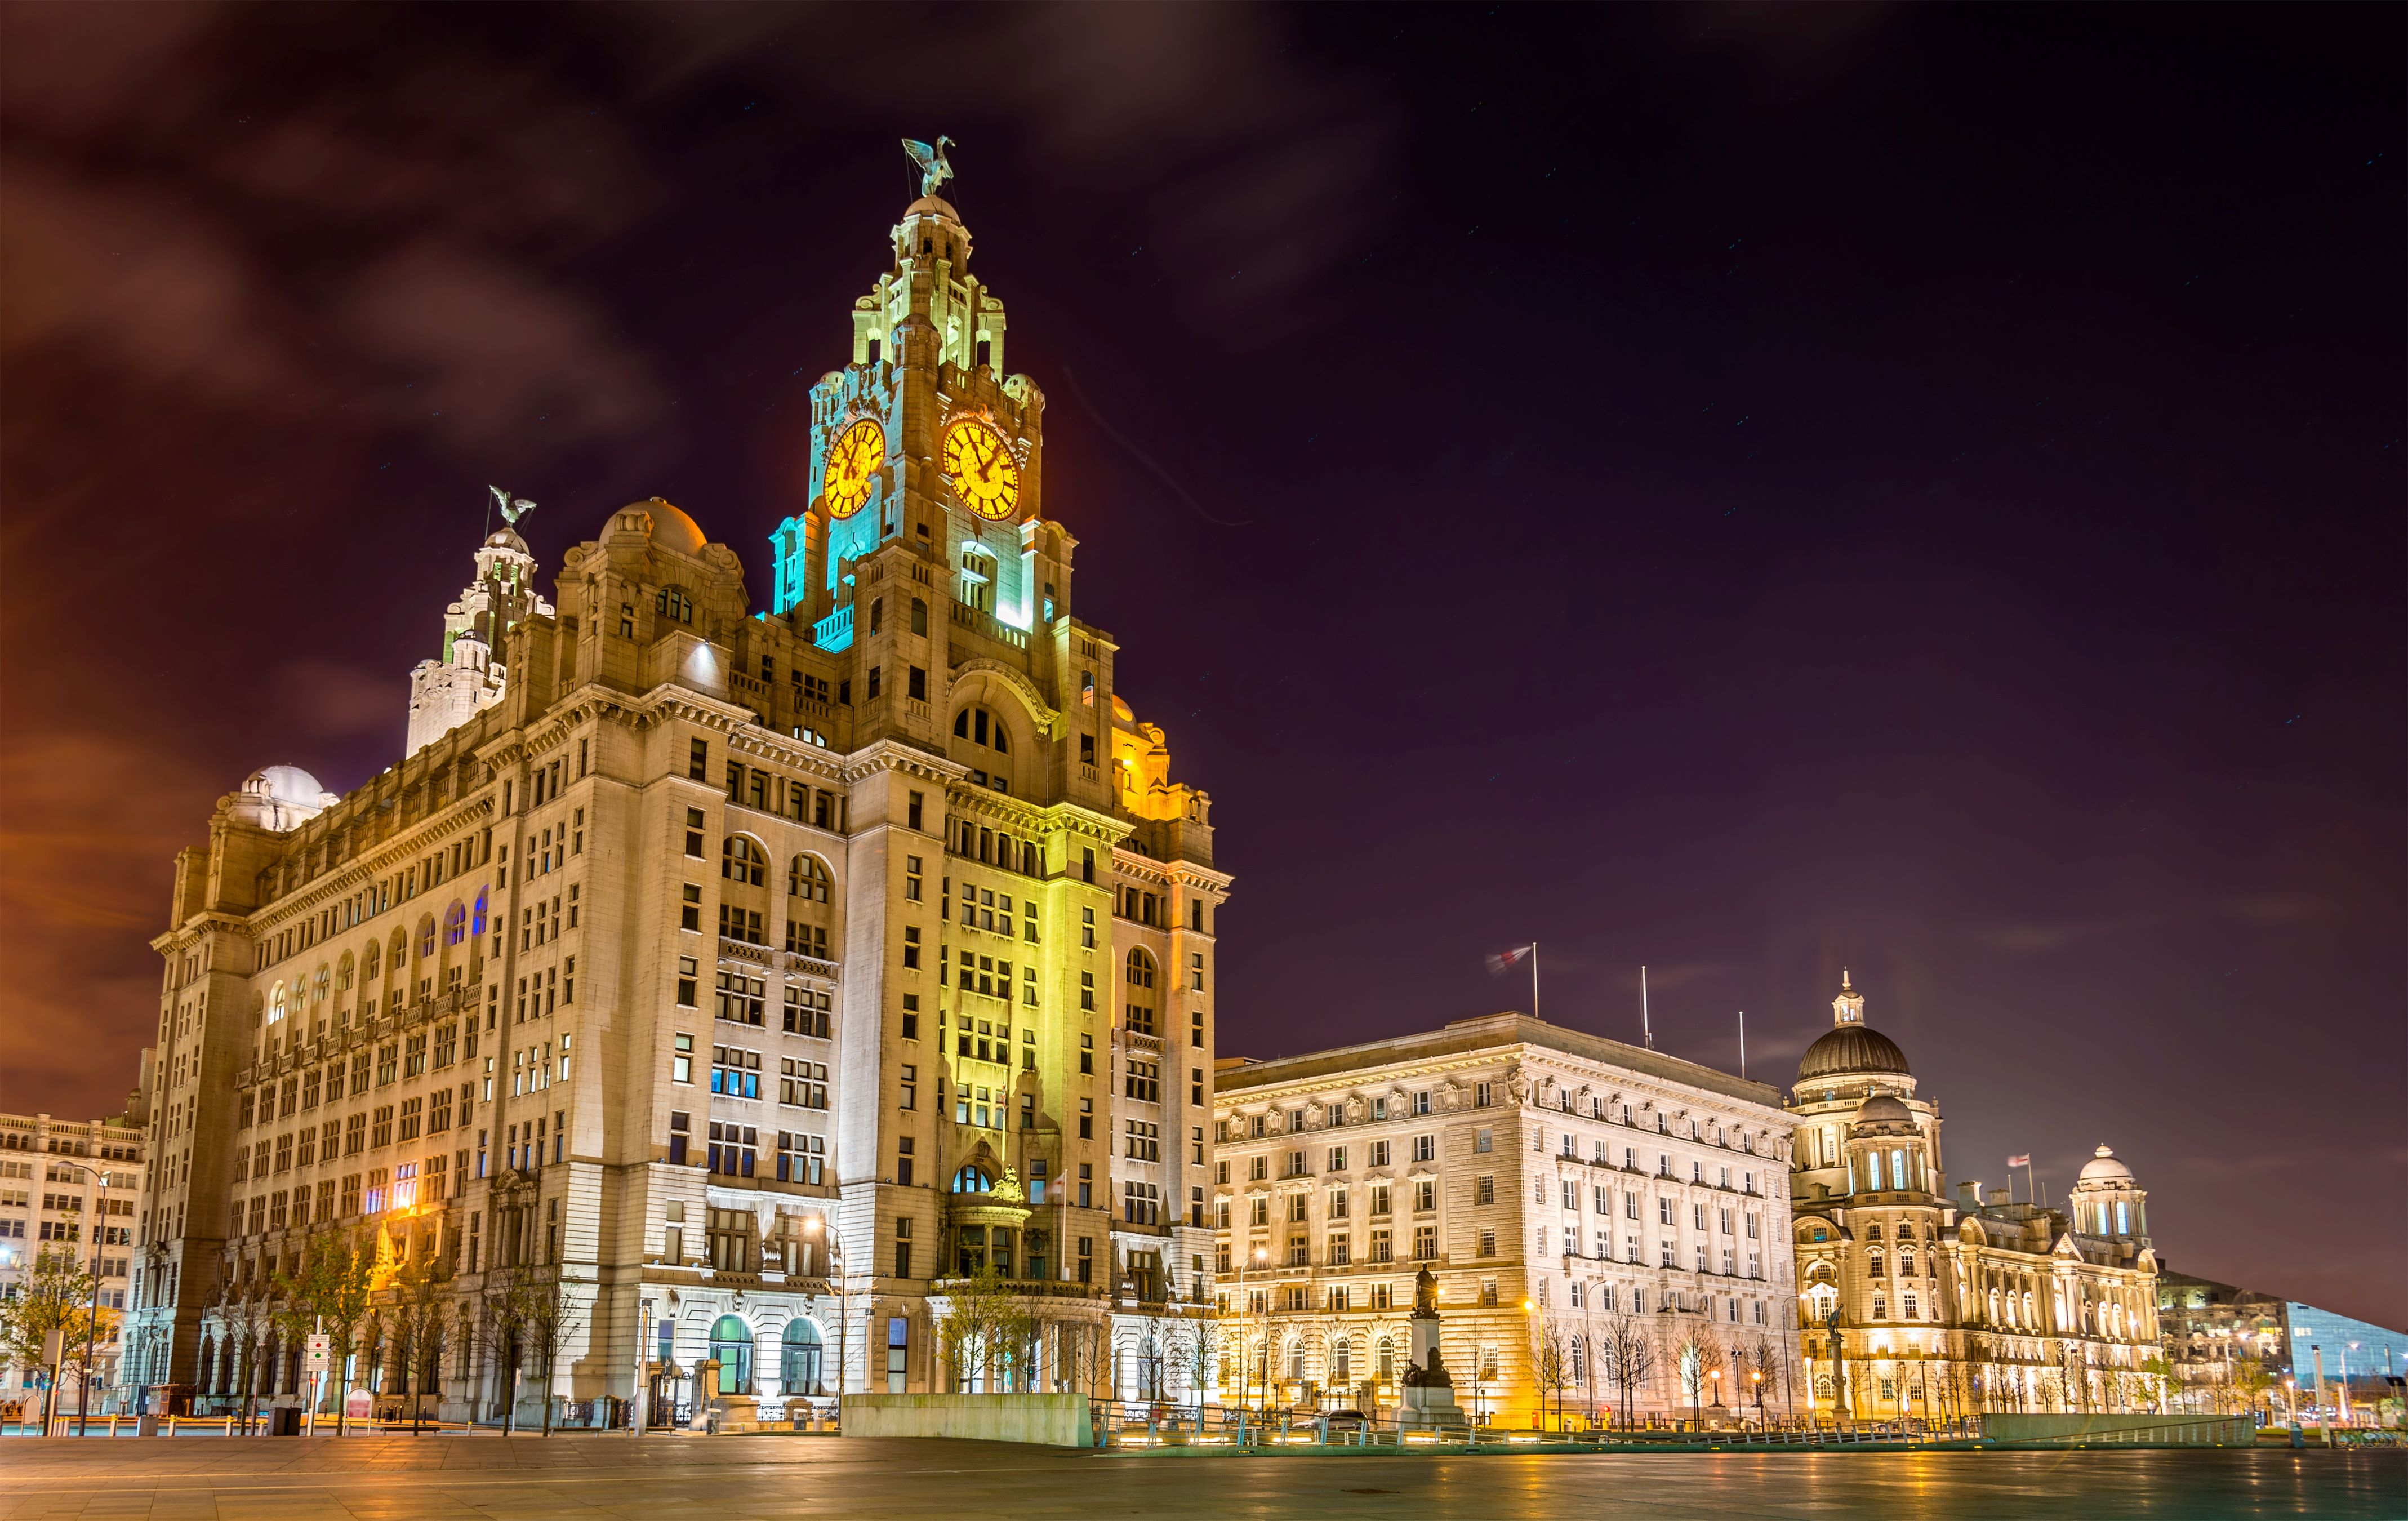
[1737, 491]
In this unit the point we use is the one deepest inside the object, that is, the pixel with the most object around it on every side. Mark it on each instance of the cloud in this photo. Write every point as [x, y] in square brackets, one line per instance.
[328, 700]
[2035, 938]
[1257, 170]
[87, 842]
[213, 224]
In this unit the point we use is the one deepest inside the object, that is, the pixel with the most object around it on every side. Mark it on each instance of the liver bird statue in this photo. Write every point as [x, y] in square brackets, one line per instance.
[512, 508]
[934, 170]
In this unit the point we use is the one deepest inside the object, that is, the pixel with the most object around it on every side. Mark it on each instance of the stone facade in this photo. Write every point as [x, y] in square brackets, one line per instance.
[70, 1187]
[744, 978]
[1938, 1308]
[1565, 1189]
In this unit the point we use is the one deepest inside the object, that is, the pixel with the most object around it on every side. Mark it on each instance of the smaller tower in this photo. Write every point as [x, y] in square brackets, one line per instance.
[1849, 1007]
[447, 691]
[2108, 1202]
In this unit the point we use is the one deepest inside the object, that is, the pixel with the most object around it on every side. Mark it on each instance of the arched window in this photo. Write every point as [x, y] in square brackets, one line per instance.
[798, 1370]
[477, 919]
[1387, 1363]
[1141, 969]
[1296, 1360]
[276, 1003]
[397, 954]
[731, 1343]
[982, 728]
[1580, 1360]
[426, 938]
[808, 879]
[919, 616]
[973, 1180]
[319, 984]
[343, 973]
[1341, 1367]
[741, 861]
[455, 924]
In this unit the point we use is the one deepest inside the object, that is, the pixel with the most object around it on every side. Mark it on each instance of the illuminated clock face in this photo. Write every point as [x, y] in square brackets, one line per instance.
[980, 464]
[852, 460]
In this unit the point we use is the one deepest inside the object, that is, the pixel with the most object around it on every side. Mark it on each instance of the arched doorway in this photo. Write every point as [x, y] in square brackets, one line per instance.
[731, 1343]
[800, 1370]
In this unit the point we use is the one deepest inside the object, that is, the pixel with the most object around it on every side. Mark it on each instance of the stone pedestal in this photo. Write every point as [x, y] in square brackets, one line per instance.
[1429, 1389]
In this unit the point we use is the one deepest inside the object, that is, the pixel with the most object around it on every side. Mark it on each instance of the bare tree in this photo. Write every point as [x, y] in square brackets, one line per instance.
[421, 1299]
[1694, 1355]
[1198, 1347]
[1551, 1359]
[501, 1327]
[552, 1315]
[1627, 1352]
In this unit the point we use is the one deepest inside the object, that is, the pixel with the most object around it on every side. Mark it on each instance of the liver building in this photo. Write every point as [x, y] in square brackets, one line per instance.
[715, 989]
[1915, 1304]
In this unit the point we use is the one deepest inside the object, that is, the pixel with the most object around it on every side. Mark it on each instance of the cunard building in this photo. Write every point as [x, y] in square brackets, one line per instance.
[739, 978]
[1917, 1303]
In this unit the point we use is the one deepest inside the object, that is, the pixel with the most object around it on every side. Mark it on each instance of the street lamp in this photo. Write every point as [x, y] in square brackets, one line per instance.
[1757, 1379]
[92, 1322]
[1260, 1260]
[820, 1225]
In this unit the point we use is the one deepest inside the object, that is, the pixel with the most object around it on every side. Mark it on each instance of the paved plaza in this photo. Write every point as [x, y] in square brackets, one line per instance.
[730, 1478]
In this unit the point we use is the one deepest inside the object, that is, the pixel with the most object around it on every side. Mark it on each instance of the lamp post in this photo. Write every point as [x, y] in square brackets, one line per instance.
[1530, 1310]
[1757, 1379]
[92, 1321]
[1260, 1258]
[820, 1225]
[639, 1400]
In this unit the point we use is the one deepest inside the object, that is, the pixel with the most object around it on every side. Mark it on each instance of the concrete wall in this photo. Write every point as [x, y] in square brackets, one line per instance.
[2178, 1430]
[1053, 1420]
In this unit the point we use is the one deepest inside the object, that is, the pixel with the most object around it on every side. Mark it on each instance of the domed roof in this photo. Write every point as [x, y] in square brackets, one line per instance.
[2103, 1167]
[933, 206]
[1849, 1049]
[671, 528]
[1880, 1108]
[285, 784]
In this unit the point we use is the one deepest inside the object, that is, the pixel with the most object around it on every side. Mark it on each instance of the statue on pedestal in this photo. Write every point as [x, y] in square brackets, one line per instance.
[1428, 1388]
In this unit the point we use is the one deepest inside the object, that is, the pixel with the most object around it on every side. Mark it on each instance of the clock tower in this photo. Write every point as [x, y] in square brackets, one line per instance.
[1064, 1020]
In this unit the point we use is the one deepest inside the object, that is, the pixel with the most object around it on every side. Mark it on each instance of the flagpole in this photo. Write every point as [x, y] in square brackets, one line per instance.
[1534, 978]
[1647, 1027]
[1742, 1045]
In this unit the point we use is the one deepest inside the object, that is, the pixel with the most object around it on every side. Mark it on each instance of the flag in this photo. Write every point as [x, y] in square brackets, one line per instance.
[1505, 960]
[2024, 1160]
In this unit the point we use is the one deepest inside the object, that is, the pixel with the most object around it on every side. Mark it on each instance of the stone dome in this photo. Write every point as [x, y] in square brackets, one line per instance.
[1850, 1049]
[279, 797]
[671, 528]
[1880, 1108]
[285, 784]
[931, 206]
[2103, 1167]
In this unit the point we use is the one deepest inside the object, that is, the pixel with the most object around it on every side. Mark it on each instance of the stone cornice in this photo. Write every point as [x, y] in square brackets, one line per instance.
[892, 755]
[1467, 1043]
[384, 858]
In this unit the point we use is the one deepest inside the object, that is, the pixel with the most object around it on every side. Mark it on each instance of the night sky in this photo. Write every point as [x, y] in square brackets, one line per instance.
[1745, 492]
